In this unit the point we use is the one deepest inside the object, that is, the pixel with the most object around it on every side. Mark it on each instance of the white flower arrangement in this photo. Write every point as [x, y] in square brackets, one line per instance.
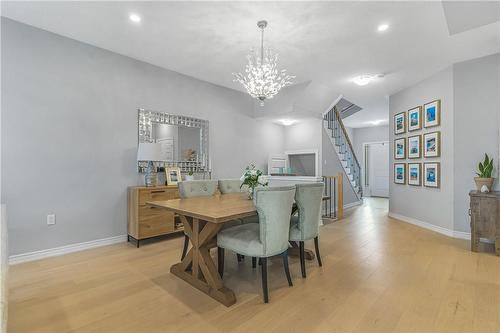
[252, 178]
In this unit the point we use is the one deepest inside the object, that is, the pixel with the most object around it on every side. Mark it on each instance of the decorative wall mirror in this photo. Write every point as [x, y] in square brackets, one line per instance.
[184, 140]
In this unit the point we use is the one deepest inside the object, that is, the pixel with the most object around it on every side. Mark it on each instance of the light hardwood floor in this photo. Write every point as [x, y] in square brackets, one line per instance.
[378, 275]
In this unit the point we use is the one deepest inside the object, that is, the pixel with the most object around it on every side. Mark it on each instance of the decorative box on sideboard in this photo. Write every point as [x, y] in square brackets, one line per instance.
[146, 221]
[484, 218]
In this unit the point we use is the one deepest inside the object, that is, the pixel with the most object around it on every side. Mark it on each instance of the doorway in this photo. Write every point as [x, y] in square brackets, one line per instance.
[376, 175]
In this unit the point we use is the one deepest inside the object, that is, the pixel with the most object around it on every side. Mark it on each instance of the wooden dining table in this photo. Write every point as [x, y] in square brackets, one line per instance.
[202, 218]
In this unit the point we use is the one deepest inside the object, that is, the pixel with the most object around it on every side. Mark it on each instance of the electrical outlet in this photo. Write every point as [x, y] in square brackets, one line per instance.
[51, 219]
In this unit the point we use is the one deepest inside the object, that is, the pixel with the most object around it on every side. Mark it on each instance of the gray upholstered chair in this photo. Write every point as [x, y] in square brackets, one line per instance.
[265, 239]
[234, 186]
[230, 186]
[195, 188]
[305, 226]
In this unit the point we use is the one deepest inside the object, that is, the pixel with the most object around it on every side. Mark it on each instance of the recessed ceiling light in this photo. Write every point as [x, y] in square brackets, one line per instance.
[287, 122]
[134, 18]
[363, 80]
[376, 122]
[383, 27]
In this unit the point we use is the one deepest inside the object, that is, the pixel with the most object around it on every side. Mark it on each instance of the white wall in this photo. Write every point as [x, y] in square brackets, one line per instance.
[69, 133]
[431, 205]
[360, 136]
[477, 115]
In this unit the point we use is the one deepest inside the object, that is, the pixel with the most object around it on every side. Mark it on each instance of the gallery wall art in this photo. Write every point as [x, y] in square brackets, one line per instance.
[415, 119]
[400, 123]
[426, 145]
[432, 113]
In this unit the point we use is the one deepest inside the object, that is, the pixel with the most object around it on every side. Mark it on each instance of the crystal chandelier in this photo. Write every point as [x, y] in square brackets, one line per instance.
[262, 79]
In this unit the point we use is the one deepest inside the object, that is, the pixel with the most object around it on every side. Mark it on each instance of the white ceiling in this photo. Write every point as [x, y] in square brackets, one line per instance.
[324, 44]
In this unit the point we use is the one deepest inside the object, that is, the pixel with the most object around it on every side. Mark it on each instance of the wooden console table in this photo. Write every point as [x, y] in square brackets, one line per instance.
[145, 221]
[485, 218]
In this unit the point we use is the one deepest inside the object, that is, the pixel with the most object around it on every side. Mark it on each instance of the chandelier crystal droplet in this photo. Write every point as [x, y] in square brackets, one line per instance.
[262, 79]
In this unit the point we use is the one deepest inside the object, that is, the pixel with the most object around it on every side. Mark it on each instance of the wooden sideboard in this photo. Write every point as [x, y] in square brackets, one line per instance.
[484, 218]
[146, 221]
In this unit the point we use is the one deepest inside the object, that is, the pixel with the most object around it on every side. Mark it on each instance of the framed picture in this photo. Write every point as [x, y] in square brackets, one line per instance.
[400, 173]
[400, 149]
[414, 170]
[173, 175]
[415, 146]
[432, 174]
[432, 113]
[432, 144]
[400, 123]
[415, 119]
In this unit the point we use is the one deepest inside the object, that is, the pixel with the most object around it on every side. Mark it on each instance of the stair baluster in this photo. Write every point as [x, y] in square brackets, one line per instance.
[343, 146]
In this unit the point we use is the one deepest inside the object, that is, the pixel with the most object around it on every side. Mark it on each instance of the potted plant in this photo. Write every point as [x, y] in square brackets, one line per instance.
[251, 179]
[484, 178]
[190, 175]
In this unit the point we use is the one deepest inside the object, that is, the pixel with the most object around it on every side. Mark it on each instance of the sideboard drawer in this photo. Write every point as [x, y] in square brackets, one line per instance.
[156, 195]
[148, 211]
[156, 225]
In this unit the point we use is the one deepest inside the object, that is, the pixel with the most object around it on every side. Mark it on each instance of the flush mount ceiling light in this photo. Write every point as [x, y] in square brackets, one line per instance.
[383, 27]
[363, 80]
[134, 18]
[262, 79]
[287, 122]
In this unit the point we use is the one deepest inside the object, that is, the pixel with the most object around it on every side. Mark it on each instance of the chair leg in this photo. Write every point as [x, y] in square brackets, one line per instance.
[264, 280]
[254, 262]
[185, 248]
[302, 259]
[220, 261]
[285, 266]
[316, 247]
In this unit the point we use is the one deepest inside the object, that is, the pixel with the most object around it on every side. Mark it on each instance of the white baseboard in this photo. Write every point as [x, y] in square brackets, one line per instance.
[422, 224]
[57, 251]
[441, 230]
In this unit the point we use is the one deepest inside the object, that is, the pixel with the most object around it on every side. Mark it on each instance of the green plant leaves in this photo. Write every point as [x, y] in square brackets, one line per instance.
[485, 167]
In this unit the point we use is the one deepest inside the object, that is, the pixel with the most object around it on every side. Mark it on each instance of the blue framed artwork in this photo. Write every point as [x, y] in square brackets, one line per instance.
[400, 149]
[432, 144]
[415, 146]
[400, 123]
[414, 170]
[415, 119]
[400, 173]
[432, 174]
[432, 113]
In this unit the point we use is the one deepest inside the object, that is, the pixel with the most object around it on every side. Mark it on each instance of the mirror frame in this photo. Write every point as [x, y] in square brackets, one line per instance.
[145, 121]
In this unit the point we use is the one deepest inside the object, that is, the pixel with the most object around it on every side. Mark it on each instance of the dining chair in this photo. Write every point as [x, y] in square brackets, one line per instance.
[265, 239]
[230, 186]
[234, 186]
[305, 226]
[195, 188]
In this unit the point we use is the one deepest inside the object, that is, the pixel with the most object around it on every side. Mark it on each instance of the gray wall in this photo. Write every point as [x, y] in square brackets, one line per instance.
[477, 112]
[69, 133]
[431, 205]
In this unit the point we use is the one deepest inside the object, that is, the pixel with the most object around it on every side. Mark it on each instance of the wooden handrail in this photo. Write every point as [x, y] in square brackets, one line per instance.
[337, 114]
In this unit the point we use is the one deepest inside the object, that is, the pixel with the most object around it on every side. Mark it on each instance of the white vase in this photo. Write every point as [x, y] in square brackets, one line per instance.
[189, 177]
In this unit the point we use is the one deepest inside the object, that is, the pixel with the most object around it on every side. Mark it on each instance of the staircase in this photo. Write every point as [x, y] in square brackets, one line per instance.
[332, 122]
